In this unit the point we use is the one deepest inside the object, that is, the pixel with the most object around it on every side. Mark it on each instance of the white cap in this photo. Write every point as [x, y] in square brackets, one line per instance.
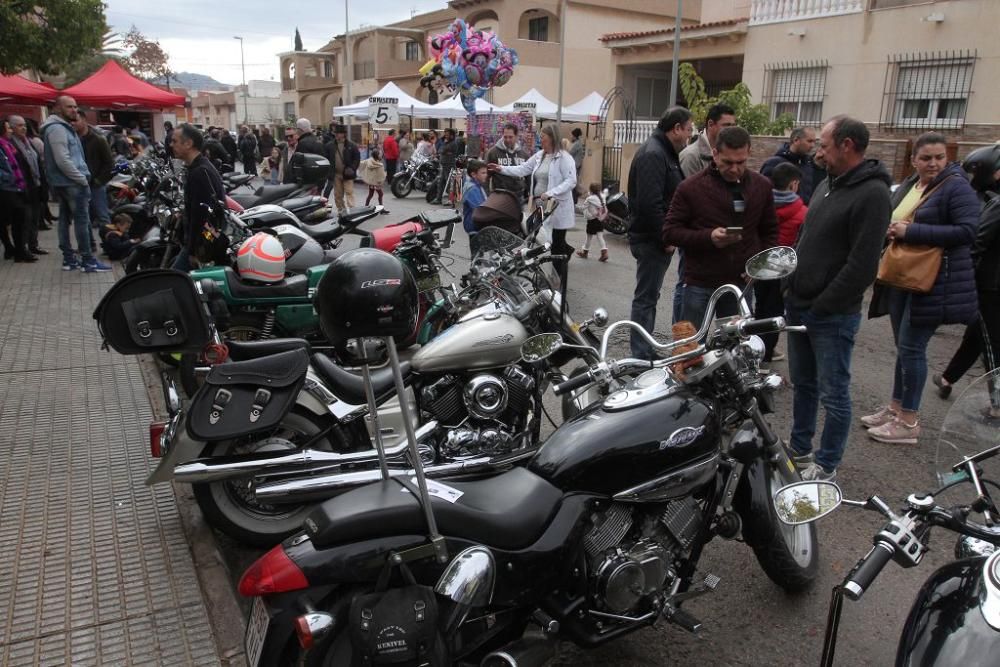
[304, 125]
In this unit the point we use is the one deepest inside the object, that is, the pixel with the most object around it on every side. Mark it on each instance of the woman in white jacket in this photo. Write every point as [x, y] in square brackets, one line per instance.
[553, 176]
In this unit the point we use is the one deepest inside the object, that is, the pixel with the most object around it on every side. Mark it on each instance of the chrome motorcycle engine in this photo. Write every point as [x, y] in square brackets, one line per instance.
[482, 413]
[631, 552]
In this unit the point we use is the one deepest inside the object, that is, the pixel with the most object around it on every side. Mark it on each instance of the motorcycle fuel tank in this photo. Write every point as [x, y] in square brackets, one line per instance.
[484, 342]
[612, 450]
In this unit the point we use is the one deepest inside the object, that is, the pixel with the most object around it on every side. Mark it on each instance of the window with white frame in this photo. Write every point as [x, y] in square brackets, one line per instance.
[796, 89]
[928, 91]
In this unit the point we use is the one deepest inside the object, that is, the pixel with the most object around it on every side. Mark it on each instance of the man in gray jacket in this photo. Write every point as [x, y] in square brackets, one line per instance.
[69, 179]
[839, 247]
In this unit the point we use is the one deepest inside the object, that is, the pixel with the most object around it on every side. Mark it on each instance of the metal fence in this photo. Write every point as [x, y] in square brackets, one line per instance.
[927, 91]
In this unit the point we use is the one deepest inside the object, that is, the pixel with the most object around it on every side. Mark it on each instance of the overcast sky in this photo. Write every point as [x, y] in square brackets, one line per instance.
[198, 35]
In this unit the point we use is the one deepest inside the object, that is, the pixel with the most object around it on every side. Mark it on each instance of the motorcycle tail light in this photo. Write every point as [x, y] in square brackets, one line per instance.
[274, 572]
[156, 430]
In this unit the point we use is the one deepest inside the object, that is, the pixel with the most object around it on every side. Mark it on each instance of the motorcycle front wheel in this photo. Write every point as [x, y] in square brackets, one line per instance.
[789, 555]
[401, 185]
[230, 506]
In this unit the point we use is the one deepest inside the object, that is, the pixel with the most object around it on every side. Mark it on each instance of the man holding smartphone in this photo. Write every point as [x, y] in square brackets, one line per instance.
[721, 217]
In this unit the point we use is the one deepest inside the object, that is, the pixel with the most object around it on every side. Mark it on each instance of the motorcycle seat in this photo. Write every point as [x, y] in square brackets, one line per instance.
[508, 511]
[357, 215]
[297, 203]
[435, 219]
[294, 286]
[350, 387]
[237, 180]
[324, 231]
[246, 201]
[272, 193]
[255, 349]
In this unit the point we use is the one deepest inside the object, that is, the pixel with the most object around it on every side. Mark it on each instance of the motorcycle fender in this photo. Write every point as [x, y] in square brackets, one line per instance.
[307, 401]
[183, 449]
[751, 499]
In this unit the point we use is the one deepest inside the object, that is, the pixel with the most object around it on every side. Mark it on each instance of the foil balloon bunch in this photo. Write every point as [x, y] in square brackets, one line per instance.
[469, 61]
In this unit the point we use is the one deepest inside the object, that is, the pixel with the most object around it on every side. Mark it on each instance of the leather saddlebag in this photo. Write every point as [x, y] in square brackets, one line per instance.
[246, 396]
[158, 310]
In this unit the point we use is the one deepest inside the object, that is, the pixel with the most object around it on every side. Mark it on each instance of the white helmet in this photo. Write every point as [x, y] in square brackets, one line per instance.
[262, 259]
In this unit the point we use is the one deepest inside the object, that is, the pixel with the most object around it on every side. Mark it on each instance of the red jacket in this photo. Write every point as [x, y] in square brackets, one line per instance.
[702, 203]
[790, 217]
[390, 148]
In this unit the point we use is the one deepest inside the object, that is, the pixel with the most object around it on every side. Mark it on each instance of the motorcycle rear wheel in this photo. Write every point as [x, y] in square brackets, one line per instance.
[228, 505]
[401, 185]
[615, 226]
[789, 555]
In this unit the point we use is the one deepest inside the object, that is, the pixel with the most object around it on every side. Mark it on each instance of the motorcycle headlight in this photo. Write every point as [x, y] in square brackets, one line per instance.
[754, 348]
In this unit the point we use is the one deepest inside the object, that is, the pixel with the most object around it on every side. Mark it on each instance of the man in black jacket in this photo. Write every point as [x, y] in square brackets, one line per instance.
[447, 154]
[345, 158]
[248, 151]
[203, 192]
[100, 162]
[839, 247]
[798, 151]
[308, 142]
[652, 180]
[230, 145]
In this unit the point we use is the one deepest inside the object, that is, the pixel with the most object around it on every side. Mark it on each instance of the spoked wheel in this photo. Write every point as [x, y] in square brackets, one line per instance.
[401, 185]
[230, 505]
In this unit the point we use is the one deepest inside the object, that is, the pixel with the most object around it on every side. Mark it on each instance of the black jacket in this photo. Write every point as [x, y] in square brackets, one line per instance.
[248, 144]
[203, 187]
[449, 152]
[986, 248]
[841, 240]
[214, 150]
[811, 174]
[652, 179]
[351, 158]
[229, 144]
[97, 153]
[309, 143]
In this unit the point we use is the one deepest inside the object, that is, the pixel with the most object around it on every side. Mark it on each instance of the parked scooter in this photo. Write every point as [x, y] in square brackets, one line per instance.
[600, 535]
[955, 619]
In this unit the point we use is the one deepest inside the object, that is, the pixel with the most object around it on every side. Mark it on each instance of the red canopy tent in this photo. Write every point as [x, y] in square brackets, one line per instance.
[113, 87]
[15, 89]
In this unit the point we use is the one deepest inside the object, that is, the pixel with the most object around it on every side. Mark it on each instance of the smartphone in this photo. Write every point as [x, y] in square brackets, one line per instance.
[734, 230]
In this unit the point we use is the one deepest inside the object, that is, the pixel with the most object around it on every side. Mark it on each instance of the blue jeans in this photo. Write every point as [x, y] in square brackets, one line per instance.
[678, 312]
[819, 365]
[74, 209]
[695, 304]
[651, 266]
[99, 204]
[911, 352]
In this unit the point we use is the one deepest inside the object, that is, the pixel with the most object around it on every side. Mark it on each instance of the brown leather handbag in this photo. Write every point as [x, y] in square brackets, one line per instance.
[911, 267]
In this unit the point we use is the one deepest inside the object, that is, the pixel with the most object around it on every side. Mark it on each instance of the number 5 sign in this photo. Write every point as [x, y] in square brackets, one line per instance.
[383, 111]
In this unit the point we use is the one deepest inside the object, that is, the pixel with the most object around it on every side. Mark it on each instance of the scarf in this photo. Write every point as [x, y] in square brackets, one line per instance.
[784, 198]
[29, 153]
[11, 152]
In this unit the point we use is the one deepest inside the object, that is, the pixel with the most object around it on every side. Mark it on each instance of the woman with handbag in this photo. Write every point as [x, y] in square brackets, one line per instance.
[925, 278]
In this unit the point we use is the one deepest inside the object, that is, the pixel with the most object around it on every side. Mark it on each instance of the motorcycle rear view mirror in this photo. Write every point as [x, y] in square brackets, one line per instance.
[541, 346]
[805, 502]
[772, 264]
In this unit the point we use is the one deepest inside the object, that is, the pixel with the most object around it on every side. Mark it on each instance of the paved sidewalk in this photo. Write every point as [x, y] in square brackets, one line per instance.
[94, 565]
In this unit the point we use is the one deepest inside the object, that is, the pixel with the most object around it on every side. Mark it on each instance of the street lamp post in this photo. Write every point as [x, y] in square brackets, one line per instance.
[562, 62]
[677, 53]
[243, 69]
[349, 64]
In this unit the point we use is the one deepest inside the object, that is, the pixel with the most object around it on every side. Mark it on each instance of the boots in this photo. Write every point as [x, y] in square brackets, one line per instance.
[582, 254]
[604, 255]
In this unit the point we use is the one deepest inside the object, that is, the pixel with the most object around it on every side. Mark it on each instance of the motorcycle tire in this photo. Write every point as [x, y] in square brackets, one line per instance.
[789, 555]
[241, 327]
[228, 505]
[615, 226]
[401, 185]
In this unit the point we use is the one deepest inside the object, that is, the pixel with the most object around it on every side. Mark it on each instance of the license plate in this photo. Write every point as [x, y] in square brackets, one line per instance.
[257, 624]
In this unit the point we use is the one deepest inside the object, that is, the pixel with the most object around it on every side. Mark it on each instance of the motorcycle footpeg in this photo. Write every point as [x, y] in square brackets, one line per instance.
[683, 619]
[707, 585]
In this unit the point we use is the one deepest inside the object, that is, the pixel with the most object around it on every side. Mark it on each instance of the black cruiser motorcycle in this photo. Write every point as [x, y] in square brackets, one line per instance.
[955, 619]
[598, 536]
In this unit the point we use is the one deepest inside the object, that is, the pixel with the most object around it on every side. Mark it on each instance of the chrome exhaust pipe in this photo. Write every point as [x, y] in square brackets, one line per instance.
[323, 486]
[228, 467]
[529, 651]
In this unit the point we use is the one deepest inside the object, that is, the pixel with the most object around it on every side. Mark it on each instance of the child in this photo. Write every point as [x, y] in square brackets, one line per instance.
[592, 206]
[117, 243]
[473, 196]
[274, 165]
[791, 211]
[373, 173]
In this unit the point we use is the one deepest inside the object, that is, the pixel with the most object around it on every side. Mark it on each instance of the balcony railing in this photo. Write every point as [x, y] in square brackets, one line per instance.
[364, 70]
[634, 132]
[778, 11]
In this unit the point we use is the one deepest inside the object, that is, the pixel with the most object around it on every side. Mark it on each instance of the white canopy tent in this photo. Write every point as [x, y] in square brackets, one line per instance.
[544, 107]
[408, 105]
[587, 110]
[452, 108]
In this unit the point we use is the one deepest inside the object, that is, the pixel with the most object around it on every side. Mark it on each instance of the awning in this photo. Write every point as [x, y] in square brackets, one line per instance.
[587, 110]
[407, 104]
[15, 89]
[452, 108]
[112, 87]
[543, 106]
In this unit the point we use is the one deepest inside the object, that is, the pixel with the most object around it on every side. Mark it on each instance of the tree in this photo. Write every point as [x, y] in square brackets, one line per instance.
[298, 41]
[148, 60]
[48, 35]
[111, 43]
[754, 118]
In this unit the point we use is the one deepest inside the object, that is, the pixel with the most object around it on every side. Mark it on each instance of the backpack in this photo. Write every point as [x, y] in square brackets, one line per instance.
[602, 211]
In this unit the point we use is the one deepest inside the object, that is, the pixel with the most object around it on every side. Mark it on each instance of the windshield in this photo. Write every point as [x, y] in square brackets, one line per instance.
[971, 426]
[495, 239]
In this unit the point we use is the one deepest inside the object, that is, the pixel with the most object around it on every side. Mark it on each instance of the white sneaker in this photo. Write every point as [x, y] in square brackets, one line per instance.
[815, 473]
[884, 415]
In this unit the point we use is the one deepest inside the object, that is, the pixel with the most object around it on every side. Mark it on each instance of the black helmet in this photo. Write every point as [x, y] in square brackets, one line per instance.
[982, 164]
[366, 292]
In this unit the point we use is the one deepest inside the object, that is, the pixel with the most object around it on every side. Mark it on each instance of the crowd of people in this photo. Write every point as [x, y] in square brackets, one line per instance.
[821, 194]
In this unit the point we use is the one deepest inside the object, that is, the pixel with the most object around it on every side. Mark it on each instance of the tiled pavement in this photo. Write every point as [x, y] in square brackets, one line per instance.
[94, 565]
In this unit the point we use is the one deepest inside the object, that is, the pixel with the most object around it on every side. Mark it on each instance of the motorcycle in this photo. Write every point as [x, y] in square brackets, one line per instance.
[598, 536]
[955, 618]
[419, 173]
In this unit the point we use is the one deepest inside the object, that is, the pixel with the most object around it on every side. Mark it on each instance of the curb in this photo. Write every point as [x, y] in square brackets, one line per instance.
[214, 579]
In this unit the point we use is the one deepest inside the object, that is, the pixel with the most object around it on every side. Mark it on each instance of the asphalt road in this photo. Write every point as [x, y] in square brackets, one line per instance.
[748, 620]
